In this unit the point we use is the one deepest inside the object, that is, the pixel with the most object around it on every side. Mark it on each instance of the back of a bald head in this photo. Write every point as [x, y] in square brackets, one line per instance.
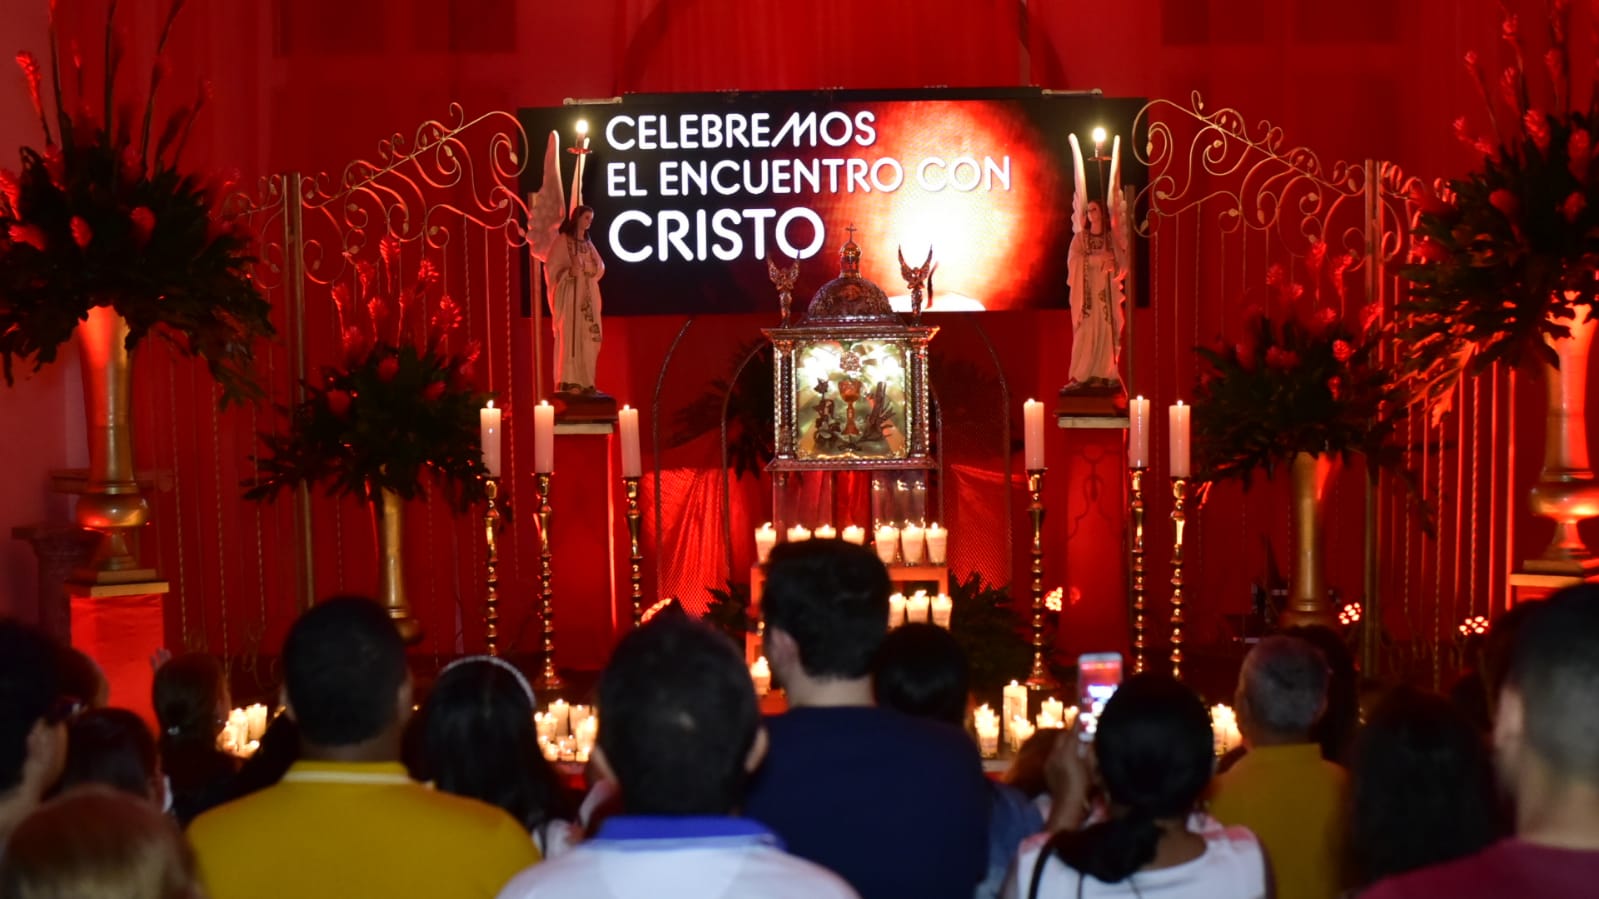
[1554, 667]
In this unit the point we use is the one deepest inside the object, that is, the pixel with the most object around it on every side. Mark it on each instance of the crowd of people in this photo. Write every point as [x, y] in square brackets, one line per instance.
[867, 785]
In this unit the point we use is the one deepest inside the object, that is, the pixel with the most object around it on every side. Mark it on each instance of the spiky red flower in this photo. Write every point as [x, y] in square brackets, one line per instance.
[32, 235]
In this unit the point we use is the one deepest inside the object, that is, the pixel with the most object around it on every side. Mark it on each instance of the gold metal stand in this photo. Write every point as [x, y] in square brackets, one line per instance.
[1040, 678]
[547, 679]
[635, 559]
[491, 599]
[1137, 508]
[1179, 492]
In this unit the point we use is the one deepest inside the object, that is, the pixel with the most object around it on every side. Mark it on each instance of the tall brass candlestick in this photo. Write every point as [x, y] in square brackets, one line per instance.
[1179, 492]
[635, 559]
[548, 679]
[491, 599]
[1040, 678]
[1137, 508]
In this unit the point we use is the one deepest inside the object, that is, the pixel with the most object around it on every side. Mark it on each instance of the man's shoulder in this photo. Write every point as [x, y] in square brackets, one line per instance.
[1463, 877]
[412, 803]
[573, 874]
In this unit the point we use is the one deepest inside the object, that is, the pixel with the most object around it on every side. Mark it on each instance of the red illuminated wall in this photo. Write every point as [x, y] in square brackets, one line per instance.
[308, 85]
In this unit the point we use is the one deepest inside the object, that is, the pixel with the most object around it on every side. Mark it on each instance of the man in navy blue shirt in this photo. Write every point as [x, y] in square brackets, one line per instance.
[894, 804]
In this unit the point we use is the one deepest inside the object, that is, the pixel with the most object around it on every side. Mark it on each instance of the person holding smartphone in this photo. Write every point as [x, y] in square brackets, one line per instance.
[1152, 756]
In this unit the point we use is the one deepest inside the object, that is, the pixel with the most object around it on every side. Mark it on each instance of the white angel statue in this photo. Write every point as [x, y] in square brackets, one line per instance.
[1096, 272]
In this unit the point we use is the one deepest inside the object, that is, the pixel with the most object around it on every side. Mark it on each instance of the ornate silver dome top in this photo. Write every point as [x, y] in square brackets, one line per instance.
[849, 297]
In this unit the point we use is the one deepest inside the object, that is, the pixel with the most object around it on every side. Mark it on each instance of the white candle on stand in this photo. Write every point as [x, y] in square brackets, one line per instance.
[1053, 708]
[986, 723]
[765, 539]
[887, 543]
[943, 608]
[560, 711]
[257, 716]
[937, 543]
[917, 607]
[489, 439]
[632, 465]
[798, 532]
[910, 543]
[1033, 432]
[1015, 703]
[855, 534]
[1178, 416]
[761, 673]
[1138, 433]
[824, 532]
[543, 437]
[896, 610]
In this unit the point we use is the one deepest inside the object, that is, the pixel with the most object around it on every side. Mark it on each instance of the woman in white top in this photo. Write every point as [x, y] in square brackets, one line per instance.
[1154, 757]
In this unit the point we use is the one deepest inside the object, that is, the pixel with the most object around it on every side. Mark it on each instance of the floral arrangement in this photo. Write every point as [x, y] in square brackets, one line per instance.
[103, 216]
[397, 406]
[1506, 255]
[1303, 379]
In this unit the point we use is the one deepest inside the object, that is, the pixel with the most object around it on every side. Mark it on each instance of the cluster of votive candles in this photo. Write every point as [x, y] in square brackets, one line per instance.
[919, 608]
[1053, 713]
[1137, 435]
[908, 544]
[566, 732]
[241, 735]
[544, 439]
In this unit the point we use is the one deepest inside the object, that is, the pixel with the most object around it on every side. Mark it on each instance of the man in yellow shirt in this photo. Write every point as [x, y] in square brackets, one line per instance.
[346, 820]
[1282, 789]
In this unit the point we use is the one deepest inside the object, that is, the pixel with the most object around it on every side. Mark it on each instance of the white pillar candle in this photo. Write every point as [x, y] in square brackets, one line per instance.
[910, 543]
[627, 421]
[798, 532]
[489, 438]
[917, 607]
[761, 674]
[1178, 417]
[825, 532]
[1138, 433]
[855, 534]
[256, 715]
[1015, 703]
[560, 712]
[543, 437]
[547, 746]
[943, 609]
[1054, 708]
[765, 539]
[896, 610]
[887, 543]
[577, 715]
[937, 539]
[986, 724]
[1033, 432]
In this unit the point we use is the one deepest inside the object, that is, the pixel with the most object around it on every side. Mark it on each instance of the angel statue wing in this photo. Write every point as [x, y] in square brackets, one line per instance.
[1120, 223]
[1080, 195]
[546, 207]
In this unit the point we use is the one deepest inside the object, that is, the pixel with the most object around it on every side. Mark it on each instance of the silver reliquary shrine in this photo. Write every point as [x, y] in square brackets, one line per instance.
[851, 380]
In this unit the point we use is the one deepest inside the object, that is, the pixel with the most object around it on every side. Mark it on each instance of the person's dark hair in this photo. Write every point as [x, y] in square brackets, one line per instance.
[29, 692]
[569, 224]
[112, 747]
[831, 596]
[475, 738]
[1154, 750]
[190, 694]
[1423, 787]
[1282, 687]
[1554, 666]
[279, 749]
[922, 670]
[98, 843]
[678, 718]
[343, 665]
[1335, 729]
[81, 677]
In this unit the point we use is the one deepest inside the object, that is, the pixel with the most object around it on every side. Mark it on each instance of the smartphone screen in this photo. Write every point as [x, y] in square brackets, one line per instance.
[1098, 676]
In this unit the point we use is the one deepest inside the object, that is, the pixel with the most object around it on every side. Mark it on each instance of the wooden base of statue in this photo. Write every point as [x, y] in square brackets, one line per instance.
[583, 409]
[1090, 403]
